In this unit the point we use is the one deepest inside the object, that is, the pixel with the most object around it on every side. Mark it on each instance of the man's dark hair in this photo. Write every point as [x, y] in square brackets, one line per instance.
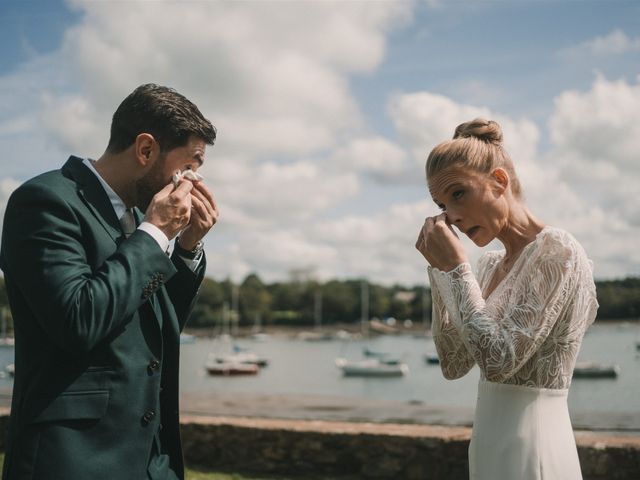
[162, 112]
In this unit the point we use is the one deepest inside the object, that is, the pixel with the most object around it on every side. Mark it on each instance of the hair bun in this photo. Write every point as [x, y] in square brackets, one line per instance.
[480, 128]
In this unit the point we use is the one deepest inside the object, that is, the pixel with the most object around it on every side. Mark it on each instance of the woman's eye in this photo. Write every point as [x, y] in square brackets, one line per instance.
[458, 194]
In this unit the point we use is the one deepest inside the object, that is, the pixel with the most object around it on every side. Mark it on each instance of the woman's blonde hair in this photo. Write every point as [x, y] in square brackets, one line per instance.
[476, 145]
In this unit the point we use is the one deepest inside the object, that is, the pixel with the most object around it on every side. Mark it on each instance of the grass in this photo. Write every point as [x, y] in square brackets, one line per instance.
[200, 475]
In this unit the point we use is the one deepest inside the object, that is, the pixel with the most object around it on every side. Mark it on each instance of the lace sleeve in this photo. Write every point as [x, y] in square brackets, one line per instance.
[455, 360]
[502, 338]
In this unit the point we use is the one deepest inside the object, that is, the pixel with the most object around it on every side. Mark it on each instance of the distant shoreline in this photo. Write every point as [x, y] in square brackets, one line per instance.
[417, 328]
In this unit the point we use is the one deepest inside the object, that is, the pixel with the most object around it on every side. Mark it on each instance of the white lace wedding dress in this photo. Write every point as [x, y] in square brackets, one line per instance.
[525, 338]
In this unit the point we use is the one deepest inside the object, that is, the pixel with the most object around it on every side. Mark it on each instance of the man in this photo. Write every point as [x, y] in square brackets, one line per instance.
[98, 305]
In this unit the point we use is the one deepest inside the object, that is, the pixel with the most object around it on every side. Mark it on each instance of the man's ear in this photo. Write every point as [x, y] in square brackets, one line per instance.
[500, 179]
[145, 148]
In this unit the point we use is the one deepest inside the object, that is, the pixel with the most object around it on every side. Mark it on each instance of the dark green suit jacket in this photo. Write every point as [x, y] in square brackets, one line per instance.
[97, 321]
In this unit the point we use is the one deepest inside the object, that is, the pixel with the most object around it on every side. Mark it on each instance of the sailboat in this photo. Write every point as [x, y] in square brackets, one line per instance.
[257, 333]
[376, 364]
[235, 361]
[317, 335]
[595, 370]
[372, 367]
[240, 355]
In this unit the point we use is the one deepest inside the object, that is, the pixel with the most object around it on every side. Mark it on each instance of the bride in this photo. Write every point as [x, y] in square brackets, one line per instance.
[520, 318]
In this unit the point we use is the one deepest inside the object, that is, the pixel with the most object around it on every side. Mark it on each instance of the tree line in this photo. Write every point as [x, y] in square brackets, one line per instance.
[305, 302]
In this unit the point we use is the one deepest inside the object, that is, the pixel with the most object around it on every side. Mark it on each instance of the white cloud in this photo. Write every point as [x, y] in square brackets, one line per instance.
[596, 136]
[379, 246]
[374, 155]
[274, 80]
[425, 119]
[617, 42]
[75, 124]
[586, 182]
[271, 194]
[602, 125]
[596, 140]
[294, 150]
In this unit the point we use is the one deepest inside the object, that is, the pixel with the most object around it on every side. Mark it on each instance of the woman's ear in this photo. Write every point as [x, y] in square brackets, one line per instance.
[144, 149]
[500, 179]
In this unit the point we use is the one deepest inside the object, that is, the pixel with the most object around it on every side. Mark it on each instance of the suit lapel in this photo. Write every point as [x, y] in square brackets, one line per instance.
[93, 195]
[96, 199]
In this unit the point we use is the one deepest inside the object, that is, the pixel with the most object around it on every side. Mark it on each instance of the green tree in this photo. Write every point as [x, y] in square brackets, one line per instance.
[255, 300]
[340, 301]
[208, 308]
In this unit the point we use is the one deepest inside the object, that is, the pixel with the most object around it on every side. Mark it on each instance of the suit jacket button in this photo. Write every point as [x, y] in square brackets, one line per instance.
[148, 416]
[154, 365]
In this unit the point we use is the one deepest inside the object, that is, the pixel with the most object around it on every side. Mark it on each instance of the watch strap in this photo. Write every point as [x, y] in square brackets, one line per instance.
[190, 254]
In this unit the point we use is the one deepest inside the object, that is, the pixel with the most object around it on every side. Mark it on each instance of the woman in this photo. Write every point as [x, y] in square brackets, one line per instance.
[520, 318]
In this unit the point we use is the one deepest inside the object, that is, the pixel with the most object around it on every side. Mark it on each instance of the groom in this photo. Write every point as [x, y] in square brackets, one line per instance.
[98, 305]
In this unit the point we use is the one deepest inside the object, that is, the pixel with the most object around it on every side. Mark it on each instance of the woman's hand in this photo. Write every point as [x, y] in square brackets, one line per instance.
[440, 245]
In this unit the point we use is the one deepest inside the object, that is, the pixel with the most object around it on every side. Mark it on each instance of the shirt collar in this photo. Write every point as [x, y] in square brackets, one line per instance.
[116, 201]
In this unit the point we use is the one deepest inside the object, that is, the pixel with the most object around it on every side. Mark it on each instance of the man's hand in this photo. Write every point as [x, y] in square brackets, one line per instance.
[204, 215]
[170, 210]
[439, 244]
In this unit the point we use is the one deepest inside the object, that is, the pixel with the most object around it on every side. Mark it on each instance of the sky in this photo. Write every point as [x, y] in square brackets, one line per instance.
[326, 111]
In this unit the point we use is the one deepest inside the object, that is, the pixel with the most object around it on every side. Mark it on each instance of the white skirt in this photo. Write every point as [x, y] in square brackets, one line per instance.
[522, 433]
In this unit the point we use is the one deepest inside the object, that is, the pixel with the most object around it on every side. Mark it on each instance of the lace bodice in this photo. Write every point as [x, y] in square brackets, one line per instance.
[529, 329]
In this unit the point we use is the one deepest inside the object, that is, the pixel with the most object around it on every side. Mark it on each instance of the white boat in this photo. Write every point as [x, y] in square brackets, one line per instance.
[245, 358]
[595, 370]
[231, 369]
[372, 367]
[315, 336]
[10, 369]
[260, 336]
[187, 338]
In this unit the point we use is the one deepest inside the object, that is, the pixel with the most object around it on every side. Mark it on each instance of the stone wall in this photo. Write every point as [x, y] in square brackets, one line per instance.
[341, 450]
[319, 449]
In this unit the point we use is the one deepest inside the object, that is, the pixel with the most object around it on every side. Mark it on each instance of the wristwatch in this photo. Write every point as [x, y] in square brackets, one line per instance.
[190, 254]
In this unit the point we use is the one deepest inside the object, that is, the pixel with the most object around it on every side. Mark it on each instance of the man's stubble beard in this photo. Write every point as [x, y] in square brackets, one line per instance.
[151, 183]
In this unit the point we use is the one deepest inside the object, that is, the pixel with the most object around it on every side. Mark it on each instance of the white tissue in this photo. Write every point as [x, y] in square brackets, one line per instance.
[188, 174]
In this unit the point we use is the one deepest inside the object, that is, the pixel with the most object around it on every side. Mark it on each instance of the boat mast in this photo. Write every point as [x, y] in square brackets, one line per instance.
[317, 310]
[364, 308]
